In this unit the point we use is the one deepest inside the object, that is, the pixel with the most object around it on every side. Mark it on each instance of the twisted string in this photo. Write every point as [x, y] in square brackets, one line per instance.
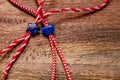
[45, 23]
[69, 77]
[25, 39]
[12, 45]
[92, 9]
[53, 43]
[53, 58]
[23, 7]
[17, 54]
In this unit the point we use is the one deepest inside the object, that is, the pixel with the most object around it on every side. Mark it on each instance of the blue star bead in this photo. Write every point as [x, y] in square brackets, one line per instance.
[48, 30]
[33, 28]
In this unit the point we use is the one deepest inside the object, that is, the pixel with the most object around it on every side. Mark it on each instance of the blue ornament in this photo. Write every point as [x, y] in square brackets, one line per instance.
[33, 28]
[48, 30]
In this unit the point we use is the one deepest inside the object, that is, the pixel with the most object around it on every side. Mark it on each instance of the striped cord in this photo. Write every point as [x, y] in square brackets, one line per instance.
[54, 58]
[16, 56]
[45, 23]
[12, 45]
[25, 39]
[92, 9]
[53, 43]
[23, 7]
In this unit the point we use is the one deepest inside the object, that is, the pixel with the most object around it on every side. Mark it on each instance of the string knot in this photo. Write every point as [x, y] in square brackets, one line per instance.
[33, 28]
[48, 30]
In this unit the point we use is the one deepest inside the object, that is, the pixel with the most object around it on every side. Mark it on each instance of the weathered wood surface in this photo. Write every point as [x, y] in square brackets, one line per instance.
[90, 43]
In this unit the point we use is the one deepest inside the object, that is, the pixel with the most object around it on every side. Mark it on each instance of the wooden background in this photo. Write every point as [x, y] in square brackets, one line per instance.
[90, 43]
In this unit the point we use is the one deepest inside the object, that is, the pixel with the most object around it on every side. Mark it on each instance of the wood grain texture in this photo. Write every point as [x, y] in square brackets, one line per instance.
[90, 43]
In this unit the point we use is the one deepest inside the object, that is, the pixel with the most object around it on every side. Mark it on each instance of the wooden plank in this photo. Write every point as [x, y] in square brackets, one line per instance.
[90, 43]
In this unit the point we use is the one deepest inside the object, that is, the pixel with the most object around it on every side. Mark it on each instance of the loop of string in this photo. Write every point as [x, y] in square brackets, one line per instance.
[53, 43]
[17, 54]
[24, 41]
[33, 12]
[41, 16]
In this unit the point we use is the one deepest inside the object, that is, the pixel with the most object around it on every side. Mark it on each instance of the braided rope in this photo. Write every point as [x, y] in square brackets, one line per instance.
[16, 56]
[12, 45]
[54, 58]
[92, 9]
[61, 57]
[25, 40]
[22, 7]
[40, 3]
[53, 43]
[52, 40]
[45, 23]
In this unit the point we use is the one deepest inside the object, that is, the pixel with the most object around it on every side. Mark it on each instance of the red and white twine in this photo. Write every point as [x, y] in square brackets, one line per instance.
[41, 16]
[17, 54]
[92, 9]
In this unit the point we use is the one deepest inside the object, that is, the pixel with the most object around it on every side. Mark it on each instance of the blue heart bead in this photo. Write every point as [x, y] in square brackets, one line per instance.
[34, 29]
[48, 30]
[35, 32]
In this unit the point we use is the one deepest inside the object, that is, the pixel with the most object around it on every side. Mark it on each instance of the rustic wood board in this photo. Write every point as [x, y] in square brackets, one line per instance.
[90, 43]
